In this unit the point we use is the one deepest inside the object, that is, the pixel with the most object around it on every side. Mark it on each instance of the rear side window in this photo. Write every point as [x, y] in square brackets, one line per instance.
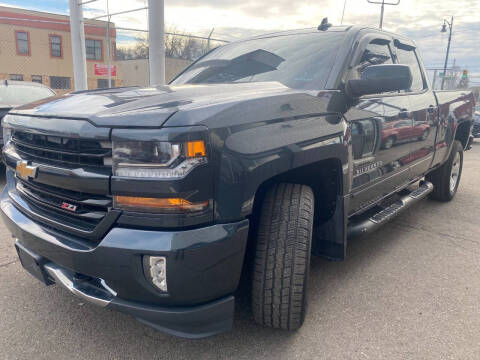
[409, 57]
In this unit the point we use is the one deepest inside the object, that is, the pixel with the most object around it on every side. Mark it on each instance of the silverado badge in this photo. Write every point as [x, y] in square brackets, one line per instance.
[25, 171]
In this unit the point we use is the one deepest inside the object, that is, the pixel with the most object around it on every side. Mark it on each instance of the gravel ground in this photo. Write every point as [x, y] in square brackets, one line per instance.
[409, 291]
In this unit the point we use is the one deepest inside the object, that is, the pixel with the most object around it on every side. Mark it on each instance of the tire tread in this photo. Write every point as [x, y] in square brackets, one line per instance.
[282, 256]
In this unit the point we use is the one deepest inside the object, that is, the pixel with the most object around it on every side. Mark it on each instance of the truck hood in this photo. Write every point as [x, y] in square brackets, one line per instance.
[146, 107]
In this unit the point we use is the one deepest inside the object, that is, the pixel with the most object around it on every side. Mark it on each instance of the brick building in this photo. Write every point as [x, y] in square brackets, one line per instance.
[36, 46]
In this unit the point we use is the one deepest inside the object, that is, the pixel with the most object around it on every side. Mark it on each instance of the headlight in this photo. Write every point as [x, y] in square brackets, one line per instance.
[160, 160]
[7, 134]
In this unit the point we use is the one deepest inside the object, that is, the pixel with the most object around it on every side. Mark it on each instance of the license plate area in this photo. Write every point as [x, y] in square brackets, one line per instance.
[33, 263]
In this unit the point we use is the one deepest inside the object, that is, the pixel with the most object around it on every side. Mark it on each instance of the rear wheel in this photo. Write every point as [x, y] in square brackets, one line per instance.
[282, 256]
[446, 178]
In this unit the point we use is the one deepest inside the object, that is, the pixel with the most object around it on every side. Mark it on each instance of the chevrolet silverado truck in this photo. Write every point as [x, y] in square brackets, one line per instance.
[152, 201]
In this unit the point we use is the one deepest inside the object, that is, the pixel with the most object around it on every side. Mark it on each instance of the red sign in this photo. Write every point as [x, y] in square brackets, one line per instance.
[102, 70]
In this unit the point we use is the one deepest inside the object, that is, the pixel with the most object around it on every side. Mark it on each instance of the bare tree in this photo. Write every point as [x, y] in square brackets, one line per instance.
[181, 46]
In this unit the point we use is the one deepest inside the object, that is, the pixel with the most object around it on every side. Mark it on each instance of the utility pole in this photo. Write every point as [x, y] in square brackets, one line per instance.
[109, 55]
[382, 11]
[343, 12]
[209, 37]
[156, 40]
[77, 31]
[444, 30]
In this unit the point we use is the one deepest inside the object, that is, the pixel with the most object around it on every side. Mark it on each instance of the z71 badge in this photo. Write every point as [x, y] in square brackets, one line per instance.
[69, 207]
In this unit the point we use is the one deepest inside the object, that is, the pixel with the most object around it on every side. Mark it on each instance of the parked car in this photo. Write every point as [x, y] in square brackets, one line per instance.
[404, 130]
[145, 200]
[16, 93]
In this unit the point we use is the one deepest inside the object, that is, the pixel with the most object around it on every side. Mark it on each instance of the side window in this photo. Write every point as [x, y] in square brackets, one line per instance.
[377, 52]
[407, 56]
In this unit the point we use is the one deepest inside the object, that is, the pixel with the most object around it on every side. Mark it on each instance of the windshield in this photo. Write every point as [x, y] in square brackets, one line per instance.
[19, 94]
[299, 61]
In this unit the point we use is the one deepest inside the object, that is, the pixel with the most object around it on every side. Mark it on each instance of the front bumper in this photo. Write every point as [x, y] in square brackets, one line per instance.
[203, 267]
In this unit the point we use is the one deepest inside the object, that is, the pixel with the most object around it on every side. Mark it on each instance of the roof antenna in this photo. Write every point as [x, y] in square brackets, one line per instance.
[324, 25]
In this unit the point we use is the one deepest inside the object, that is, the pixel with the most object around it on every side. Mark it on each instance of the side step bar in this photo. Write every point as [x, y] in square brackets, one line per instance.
[385, 215]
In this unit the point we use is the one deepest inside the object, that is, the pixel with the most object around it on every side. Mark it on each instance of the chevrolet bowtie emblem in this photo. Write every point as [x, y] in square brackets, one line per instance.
[25, 171]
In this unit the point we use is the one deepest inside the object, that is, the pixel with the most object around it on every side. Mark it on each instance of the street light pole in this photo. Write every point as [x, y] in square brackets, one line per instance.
[343, 13]
[382, 11]
[109, 55]
[444, 29]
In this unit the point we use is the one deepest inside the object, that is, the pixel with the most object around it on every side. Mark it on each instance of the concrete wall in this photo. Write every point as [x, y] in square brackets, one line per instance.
[135, 72]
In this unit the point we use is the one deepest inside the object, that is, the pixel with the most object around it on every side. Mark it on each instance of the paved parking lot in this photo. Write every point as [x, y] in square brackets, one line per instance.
[409, 291]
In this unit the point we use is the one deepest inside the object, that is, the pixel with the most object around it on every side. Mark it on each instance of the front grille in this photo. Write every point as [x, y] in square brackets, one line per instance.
[49, 198]
[62, 151]
[86, 210]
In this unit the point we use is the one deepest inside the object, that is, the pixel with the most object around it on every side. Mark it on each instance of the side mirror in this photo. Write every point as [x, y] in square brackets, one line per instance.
[377, 79]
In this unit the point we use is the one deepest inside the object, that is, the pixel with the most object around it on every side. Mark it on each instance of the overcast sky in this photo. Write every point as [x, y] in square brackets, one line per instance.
[418, 19]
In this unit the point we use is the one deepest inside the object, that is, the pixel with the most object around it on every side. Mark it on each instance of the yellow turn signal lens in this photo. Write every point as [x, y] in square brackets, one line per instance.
[169, 205]
[196, 149]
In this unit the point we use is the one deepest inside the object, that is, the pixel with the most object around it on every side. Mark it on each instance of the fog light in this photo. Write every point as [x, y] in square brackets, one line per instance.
[158, 271]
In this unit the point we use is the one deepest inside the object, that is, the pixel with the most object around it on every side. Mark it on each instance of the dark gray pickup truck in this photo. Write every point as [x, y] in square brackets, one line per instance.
[152, 201]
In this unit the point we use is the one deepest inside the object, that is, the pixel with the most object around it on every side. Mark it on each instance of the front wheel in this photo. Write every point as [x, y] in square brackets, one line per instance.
[446, 178]
[282, 256]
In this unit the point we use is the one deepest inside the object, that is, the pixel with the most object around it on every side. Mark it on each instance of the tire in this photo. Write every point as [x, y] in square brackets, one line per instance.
[282, 256]
[389, 142]
[445, 185]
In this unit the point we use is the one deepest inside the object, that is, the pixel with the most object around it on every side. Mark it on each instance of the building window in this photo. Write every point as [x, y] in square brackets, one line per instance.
[103, 83]
[94, 49]
[37, 79]
[55, 46]
[23, 42]
[16, 77]
[60, 82]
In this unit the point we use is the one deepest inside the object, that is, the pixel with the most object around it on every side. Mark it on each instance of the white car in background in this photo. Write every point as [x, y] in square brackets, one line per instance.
[18, 93]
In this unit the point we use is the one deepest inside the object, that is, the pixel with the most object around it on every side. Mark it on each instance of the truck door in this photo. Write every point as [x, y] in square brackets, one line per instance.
[423, 107]
[378, 154]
